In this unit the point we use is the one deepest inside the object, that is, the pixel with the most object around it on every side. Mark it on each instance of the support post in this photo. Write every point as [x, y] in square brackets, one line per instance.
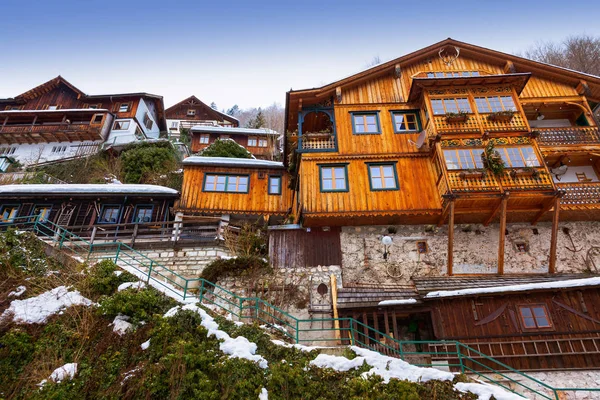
[185, 289]
[135, 232]
[150, 271]
[201, 292]
[554, 238]
[451, 238]
[94, 231]
[502, 235]
[117, 254]
[336, 321]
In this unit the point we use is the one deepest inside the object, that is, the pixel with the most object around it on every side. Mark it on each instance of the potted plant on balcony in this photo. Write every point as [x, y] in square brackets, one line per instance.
[492, 161]
[525, 172]
[324, 134]
[478, 173]
[534, 134]
[460, 116]
[502, 116]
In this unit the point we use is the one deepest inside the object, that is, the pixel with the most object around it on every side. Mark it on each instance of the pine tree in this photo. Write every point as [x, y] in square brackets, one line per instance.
[233, 111]
[258, 121]
[213, 105]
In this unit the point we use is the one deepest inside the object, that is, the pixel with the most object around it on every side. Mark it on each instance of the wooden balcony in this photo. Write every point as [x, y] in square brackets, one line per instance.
[536, 179]
[574, 135]
[314, 142]
[580, 194]
[476, 123]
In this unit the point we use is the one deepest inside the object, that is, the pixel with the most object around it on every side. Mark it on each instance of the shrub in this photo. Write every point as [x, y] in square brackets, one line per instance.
[137, 304]
[225, 148]
[143, 162]
[102, 279]
[16, 351]
[239, 266]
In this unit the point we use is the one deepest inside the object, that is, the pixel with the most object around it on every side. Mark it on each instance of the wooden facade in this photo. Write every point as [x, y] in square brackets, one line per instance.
[195, 112]
[297, 248]
[261, 143]
[255, 198]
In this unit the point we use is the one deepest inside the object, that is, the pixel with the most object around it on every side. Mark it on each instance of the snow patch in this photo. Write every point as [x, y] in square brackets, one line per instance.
[131, 285]
[238, 347]
[60, 374]
[121, 325]
[18, 291]
[145, 345]
[300, 347]
[264, 395]
[397, 302]
[37, 310]
[485, 391]
[118, 273]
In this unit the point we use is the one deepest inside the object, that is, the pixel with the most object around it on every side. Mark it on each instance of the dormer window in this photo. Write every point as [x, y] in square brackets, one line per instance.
[191, 113]
[124, 107]
[450, 105]
[365, 122]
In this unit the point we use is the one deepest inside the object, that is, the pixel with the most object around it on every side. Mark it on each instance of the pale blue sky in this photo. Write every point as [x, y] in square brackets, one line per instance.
[251, 53]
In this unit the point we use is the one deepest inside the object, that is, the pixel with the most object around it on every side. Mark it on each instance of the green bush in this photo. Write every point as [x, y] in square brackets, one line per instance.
[102, 279]
[140, 305]
[239, 266]
[225, 148]
[16, 351]
[22, 252]
[144, 162]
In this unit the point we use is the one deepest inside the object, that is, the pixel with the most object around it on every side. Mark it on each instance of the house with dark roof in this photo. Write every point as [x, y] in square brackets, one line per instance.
[193, 112]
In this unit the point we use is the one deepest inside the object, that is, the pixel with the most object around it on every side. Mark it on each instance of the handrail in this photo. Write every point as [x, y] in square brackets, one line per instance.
[260, 310]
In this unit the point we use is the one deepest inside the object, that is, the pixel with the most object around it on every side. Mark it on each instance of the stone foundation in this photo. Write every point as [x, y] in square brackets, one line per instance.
[559, 379]
[527, 250]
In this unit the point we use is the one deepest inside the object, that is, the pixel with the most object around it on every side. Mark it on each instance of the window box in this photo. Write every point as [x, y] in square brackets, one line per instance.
[474, 174]
[524, 172]
[460, 116]
[501, 116]
[318, 135]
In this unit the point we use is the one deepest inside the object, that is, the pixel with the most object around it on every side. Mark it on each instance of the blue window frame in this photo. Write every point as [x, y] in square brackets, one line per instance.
[333, 177]
[226, 183]
[8, 213]
[365, 122]
[42, 211]
[109, 214]
[406, 121]
[274, 184]
[143, 213]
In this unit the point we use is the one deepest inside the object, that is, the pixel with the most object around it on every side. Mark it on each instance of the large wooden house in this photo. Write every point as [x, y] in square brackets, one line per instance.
[262, 143]
[56, 121]
[451, 162]
[193, 112]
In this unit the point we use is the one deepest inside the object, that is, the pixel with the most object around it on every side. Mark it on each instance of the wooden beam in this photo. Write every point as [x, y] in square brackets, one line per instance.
[543, 211]
[338, 94]
[397, 71]
[509, 68]
[554, 238]
[583, 88]
[451, 238]
[444, 214]
[336, 321]
[502, 237]
[493, 214]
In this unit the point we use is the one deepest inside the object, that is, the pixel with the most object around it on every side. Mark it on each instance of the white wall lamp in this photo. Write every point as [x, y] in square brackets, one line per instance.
[387, 242]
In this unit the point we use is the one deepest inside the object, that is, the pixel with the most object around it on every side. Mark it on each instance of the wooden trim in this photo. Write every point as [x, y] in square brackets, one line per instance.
[554, 238]
[451, 239]
[530, 307]
[502, 238]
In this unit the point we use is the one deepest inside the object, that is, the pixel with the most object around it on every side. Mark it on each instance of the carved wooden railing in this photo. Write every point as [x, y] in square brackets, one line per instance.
[540, 180]
[516, 124]
[568, 136]
[478, 124]
[311, 141]
[49, 128]
[459, 184]
[578, 193]
[471, 125]
[467, 182]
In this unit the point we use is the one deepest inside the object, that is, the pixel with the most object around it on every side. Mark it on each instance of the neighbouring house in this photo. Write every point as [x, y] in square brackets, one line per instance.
[236, 189]
[453, 167]
[193, 112]
[263, 143]
[57, 121]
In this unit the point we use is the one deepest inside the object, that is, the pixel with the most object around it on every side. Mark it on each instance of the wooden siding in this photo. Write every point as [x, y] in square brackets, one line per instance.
[416, 195]
[257, 201]
[541, 87]
[261, 152]
[386, 89]
[297, 248]
[455, 320]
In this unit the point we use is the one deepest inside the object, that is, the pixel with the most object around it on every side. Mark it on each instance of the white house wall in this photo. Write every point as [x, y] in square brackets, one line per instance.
[142, 109]
[28, 154]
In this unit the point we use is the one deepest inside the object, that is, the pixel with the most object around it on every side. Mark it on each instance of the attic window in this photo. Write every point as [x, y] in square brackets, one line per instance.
[124, 107]
[535, 316]
[452, 74]
[191, 113]
[204, 138]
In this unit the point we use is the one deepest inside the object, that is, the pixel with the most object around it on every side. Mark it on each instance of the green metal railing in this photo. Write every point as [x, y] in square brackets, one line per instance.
[455, 355]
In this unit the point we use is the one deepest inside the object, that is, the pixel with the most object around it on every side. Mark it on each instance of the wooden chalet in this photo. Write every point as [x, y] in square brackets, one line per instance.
[243, 189]
[56, 120]
[262, 143]
[402, 143]
[192, 112]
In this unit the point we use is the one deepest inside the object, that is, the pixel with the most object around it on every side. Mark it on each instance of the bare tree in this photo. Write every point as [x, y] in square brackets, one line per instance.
[580, 53]
[274, 117]
[376, 60]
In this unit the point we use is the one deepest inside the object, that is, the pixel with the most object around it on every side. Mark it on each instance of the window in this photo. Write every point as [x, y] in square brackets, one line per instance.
[450, 105]
[109, 214]
[226, 183]
[535, 316]
[334, 178]
[252, 141]
[422, 247]
[274, 184]
[383, 176]
[495, 103]
[43, 212]
[121, 125]
[143, 213]
[148, 121]
[8, 213]
[97, 119]
[94, 106]
[365, 122]
[124, 107]
[5, 151]
[139, 135]
[191, 113]
[463, 158]
[204, 138]
[52, 107]
[59, 149]
[452, 74]
[519, 157]
[262, 142]
[173, 124]
[405, 121]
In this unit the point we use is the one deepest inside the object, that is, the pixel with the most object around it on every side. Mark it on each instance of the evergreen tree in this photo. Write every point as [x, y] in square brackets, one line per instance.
[258, 121]
[213, 105]
[233, 111]
[225, 148]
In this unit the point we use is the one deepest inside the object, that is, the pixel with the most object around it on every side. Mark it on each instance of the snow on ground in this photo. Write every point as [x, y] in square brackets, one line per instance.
[37, 310]
[118, 273]
[145, 345]
[121, 325]
[131, 285]
[384, 366]
[518, 288]
[238, 347]
[486, 391]
[18, 291]
[264, 395]
[60, 374]
[397, 302]
[300, 347]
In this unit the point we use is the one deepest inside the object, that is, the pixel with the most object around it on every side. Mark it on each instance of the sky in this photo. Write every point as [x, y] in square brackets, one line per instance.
[251, 53]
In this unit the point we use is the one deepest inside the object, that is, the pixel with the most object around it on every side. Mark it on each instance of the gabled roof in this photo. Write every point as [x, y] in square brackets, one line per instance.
[234, 131]
[44, 88]
[193, 100]
[232, 162]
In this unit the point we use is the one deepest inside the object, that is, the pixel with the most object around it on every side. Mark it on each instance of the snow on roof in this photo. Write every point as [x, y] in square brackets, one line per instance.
[234, 131]
[517, 288]
[86, 188]
[397, 302]
[232, 162]
[57, 111]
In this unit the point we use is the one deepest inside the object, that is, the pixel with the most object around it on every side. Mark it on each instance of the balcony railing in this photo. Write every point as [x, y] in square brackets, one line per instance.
[316, 141]
[54, 132]
[458, 183]
[578, 193]
[466, 182]
[537, 179]
[477, 124]
[568, 136]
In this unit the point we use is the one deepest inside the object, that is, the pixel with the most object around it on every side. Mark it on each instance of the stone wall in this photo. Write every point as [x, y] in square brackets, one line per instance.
[558, 379]
[188, 262]
[527, 250]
